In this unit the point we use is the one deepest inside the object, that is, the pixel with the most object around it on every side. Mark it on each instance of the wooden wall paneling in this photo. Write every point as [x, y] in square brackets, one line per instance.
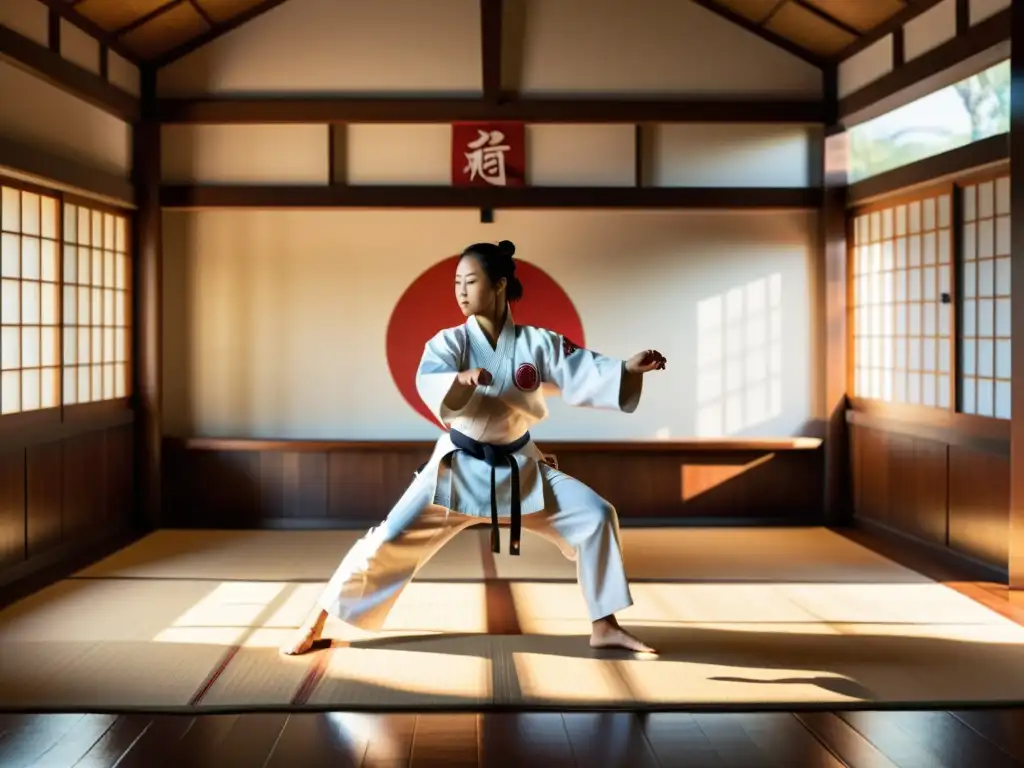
[293, 485]
[954, 493]
[898, 493]
[365, 485]
[979, 504]
[1016, 551]
[875, 485]
[64, 503]
[12, 508]
[44, 489]
[650, 485]
[222, 489]
[61, 492]
[927, 474]
[84, 483]
[902, 483]
[862, 446]
[120, 475]
[337, 485]
[856, 469]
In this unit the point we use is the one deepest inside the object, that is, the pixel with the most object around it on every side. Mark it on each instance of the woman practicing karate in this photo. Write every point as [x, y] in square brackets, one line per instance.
[483, 380]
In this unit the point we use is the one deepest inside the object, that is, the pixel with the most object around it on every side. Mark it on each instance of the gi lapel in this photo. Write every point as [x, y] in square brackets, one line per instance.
[497, 360]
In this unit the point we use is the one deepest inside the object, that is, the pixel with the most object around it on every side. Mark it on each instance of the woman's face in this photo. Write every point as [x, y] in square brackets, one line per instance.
[473, 290]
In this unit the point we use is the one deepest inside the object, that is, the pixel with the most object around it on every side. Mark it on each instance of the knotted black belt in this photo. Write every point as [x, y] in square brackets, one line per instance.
[498, 455]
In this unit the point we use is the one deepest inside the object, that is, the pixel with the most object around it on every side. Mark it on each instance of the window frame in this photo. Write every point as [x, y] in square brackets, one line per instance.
[78, 413]
[983, 427]
[925, 192]
[974, 178]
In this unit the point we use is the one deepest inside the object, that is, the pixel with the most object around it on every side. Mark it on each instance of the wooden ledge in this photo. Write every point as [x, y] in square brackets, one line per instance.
[695, 445]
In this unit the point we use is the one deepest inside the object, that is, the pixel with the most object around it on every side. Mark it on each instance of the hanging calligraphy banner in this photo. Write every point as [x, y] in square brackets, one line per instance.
[488, 154]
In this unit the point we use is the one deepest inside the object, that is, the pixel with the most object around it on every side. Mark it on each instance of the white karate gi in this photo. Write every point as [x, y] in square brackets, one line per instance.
[453, 489]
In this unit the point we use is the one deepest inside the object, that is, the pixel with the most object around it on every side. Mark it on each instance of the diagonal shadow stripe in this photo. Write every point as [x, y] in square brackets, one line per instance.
[502, 618]
[500, 605]
[263, 616]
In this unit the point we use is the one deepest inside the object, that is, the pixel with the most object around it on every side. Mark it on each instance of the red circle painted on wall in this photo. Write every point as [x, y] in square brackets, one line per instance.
[428, 306]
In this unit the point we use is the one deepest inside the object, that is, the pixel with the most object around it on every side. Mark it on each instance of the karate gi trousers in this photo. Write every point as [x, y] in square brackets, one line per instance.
[577, 520]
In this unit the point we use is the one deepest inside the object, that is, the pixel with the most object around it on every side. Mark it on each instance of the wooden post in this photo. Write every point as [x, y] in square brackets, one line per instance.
[1016, 548]
[838, 489]
[147, 274]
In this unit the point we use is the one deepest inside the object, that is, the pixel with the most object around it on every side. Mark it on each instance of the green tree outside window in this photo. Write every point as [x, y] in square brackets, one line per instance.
[973, 109]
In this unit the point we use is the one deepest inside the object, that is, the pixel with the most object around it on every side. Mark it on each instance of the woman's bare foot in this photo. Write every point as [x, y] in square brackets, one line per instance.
[607, 633]
[306, 635]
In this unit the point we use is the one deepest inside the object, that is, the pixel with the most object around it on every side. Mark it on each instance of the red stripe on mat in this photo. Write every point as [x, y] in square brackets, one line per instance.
[315, 673]
[502, 619]
[212, 677]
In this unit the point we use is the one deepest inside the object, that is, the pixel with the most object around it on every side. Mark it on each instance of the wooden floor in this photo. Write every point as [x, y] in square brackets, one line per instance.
[971, 739]
[982, 738]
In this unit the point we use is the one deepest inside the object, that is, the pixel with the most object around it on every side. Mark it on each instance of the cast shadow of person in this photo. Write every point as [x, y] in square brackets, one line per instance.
[901, 667]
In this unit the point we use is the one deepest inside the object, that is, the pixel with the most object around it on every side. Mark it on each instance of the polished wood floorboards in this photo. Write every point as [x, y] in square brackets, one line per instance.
[968, 739]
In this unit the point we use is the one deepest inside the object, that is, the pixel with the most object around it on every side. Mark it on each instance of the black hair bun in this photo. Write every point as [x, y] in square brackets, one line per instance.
[507, 247]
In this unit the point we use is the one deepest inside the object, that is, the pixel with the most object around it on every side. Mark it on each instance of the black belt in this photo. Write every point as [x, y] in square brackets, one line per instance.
[496, 455]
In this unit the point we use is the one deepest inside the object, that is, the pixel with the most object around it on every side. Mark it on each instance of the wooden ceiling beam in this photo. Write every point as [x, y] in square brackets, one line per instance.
[203, 14]
[767, 35]
[772, 13]
[70, 78]
[218, 30]
[240, 110]
[979, 154]
[67, 12]
[699, 198]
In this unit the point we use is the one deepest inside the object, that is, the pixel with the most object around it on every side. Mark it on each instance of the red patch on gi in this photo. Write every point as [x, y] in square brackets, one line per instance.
[527, 378]
[568, 347]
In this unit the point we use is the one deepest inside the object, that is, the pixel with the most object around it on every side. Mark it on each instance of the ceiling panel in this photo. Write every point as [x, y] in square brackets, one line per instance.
[113, 16]
[755, 10]
[809, 30]
[862, 15]
[168, 30]
[149, 28]
[822, 28]
[223, 10]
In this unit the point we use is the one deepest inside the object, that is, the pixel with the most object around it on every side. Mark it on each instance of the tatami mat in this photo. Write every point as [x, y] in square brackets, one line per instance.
[712, 554]
[265, 556]
[191, 620]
